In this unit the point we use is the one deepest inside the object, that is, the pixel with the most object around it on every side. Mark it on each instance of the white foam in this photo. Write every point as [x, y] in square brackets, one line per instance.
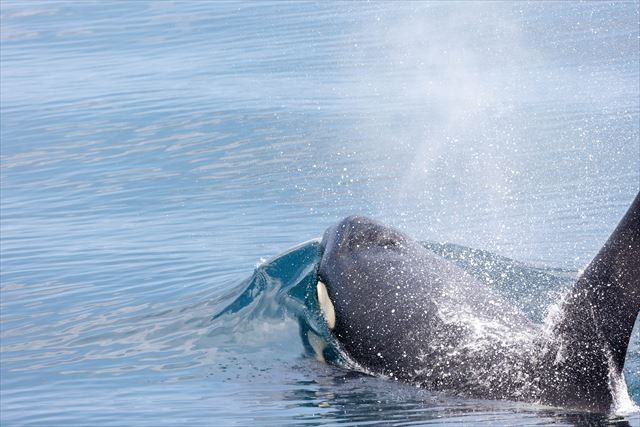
[622, 403]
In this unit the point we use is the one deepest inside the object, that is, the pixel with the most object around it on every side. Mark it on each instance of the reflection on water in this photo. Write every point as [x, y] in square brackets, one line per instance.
[152, 153]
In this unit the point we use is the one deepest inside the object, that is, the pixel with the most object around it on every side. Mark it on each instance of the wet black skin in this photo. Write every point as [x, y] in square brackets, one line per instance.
[405, 312]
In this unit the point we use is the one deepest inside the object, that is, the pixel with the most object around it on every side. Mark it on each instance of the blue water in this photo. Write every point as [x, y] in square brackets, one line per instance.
[154, 153]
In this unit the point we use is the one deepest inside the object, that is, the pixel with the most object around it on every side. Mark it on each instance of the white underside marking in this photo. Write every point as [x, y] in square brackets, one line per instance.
[317, 344]
[326, 305]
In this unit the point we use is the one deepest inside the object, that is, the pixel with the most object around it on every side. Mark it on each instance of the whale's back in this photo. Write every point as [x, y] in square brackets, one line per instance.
[403, 311]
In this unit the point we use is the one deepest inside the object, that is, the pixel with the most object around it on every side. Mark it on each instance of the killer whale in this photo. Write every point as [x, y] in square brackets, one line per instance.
[399, 310]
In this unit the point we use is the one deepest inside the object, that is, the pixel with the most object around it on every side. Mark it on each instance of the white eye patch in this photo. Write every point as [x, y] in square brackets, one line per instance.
[326, 305]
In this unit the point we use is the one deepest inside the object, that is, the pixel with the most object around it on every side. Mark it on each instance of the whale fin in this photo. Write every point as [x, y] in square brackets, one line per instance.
[614, 280]
[598, 316]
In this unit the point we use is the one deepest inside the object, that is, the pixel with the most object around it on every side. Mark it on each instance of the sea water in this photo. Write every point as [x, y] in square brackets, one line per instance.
[159, 160]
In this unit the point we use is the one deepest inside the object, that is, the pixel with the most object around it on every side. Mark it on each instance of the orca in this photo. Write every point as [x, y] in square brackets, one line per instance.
[401, 311]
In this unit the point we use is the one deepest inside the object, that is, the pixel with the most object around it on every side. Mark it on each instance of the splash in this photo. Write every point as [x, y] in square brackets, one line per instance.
[280, 298]
[622, 403]
[284, 288]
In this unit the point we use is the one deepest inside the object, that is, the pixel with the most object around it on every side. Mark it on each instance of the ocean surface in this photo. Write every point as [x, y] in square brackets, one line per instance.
[160, 159]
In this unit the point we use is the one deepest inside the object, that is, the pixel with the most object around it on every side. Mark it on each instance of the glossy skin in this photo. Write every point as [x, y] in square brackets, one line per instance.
[599, 314]
[404, 312]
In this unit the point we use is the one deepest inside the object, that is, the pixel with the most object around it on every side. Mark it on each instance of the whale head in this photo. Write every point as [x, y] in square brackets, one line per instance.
[368, 277]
